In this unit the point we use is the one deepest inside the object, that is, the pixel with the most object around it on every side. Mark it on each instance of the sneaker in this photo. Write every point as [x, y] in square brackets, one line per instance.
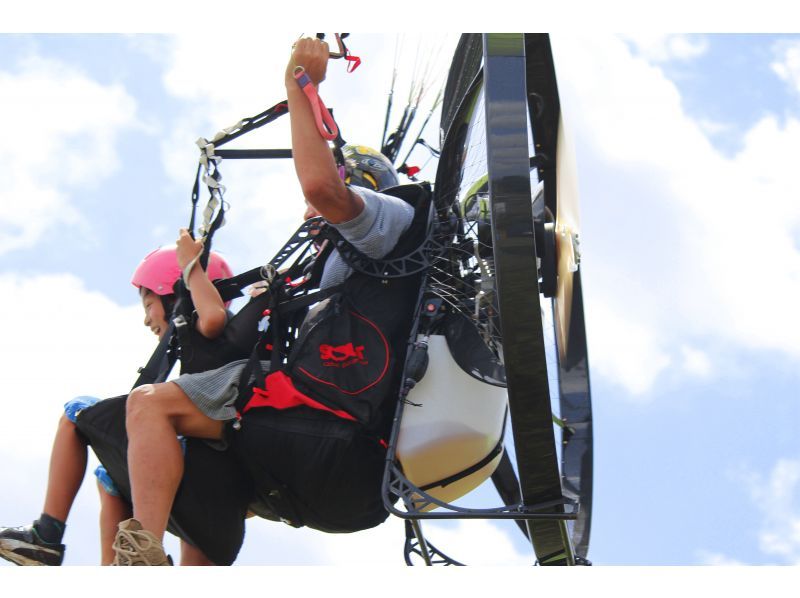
[136, 546]
[23, 546]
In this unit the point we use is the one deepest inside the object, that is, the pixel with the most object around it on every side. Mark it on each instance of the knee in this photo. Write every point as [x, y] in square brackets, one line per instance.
[153, 403]
[65, 423]
[67, 434]
[142, 404]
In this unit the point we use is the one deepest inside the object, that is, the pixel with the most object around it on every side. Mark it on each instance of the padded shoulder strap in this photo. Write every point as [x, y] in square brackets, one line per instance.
[411, 255]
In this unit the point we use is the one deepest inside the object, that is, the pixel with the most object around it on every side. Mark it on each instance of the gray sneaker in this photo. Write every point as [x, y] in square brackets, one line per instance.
[23, 546]
[136, 546]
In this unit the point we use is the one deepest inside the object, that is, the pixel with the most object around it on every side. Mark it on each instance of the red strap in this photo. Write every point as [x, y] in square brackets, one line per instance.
[352, 62]
[280, 393]
[325, 123]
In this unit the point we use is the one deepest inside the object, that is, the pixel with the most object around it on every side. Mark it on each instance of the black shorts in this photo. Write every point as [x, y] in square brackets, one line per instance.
[312, 468]
[211, 503]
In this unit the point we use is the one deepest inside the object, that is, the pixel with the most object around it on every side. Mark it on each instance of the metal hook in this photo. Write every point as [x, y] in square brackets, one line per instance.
[342, 53]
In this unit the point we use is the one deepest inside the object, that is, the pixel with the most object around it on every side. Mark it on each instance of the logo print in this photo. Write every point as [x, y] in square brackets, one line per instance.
[342, 356]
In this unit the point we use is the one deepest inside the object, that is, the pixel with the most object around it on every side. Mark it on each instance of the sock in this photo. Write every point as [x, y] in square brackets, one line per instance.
[50, 529]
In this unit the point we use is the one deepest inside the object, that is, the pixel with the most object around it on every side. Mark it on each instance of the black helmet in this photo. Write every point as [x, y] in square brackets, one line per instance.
[366, 167]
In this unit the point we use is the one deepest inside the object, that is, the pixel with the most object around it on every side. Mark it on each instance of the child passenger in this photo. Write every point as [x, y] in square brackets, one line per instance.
[41, 542]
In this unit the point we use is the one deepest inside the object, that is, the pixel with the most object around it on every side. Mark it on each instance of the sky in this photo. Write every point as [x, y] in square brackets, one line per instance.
[686, 148]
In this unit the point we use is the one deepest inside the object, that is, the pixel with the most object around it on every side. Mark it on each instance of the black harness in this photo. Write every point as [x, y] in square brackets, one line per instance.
[383, 293]
[344, 355]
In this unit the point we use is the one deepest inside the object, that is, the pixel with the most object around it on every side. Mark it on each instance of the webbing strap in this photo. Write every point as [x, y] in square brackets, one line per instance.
[212, 179]
[498, 448]
[160, 362]
[195, 196]
[292, 305]
[277, 311]
[322, 116]
[209, 159]
[250, 123]
[254, 154]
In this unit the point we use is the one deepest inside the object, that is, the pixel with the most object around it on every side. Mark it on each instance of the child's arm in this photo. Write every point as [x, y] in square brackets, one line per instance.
[211, 313]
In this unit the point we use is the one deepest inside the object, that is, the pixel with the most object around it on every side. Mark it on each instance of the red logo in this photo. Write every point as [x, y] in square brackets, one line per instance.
[342, 356]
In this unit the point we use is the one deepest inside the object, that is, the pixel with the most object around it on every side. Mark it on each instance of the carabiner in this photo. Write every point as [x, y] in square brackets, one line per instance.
[343, 52]
[353, 61]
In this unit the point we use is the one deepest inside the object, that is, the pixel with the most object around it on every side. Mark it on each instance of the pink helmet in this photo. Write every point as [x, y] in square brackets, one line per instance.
[159, 270]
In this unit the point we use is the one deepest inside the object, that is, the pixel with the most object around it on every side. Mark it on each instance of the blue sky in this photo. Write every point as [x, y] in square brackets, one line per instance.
[685, 147]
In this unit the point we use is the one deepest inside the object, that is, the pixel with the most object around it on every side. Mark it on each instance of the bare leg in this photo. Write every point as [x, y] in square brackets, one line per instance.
[193, 557]
[67, 469]
[155, 414]
[113, 510]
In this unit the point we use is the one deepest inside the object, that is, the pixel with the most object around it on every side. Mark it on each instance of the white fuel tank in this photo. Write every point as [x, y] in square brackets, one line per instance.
[458, 423]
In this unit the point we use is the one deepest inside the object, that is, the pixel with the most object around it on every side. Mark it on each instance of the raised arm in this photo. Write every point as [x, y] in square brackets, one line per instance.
[211, 313]
[313, 160]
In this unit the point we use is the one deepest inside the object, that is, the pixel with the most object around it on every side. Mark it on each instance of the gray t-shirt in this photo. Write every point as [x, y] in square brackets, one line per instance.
[374, 232]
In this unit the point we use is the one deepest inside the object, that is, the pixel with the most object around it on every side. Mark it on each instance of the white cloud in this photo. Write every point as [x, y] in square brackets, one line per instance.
[695, 361]
[624, 349]
[713, 128]
[777, 497]
[62, 341]
[666, 47]
[60, 128]
[697, 232]
[787, 63]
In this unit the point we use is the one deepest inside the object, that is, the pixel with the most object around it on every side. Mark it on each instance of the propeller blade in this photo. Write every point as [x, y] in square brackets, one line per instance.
[567, 228]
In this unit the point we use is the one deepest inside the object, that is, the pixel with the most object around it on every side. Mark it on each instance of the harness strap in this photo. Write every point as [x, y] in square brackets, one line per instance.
[195, 196]
[230, 288]
[160, 362]
[325, 123]
[277, 311]
[248, 124]
[292, 305]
